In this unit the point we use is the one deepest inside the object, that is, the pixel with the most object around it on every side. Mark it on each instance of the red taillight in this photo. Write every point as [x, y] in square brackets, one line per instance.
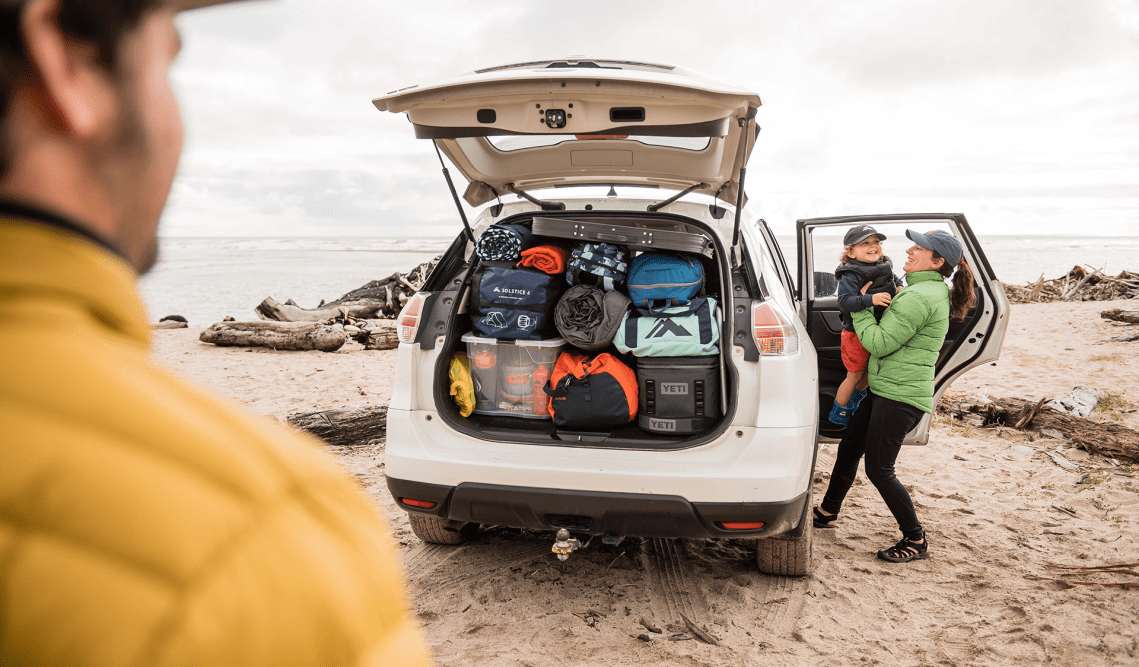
[407, 323]
[423, 504]
[742, 525]
[773, 332]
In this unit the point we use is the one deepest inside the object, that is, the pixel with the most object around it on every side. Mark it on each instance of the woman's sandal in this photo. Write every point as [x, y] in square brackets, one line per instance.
[905, 551]
[821, 520]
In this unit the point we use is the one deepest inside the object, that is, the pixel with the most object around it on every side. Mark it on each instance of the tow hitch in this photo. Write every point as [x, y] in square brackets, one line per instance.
[565, 545]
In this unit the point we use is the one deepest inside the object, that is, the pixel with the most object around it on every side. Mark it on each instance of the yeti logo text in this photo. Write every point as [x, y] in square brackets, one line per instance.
[674, 388]
[662, 424]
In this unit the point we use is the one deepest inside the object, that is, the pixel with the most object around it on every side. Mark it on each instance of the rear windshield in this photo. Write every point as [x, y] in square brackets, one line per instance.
[518, 142]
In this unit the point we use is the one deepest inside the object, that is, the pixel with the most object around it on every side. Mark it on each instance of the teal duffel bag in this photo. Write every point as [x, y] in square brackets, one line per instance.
[677, 331]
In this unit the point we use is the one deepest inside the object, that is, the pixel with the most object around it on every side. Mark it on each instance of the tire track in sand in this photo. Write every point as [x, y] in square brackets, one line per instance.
[671, 591]
[473, 560]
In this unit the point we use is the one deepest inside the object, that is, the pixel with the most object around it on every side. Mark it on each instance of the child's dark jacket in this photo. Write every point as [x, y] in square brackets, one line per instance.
[852, 275]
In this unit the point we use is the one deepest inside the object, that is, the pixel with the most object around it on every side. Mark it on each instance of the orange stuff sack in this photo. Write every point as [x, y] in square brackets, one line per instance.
[546, 258]
[592, 394]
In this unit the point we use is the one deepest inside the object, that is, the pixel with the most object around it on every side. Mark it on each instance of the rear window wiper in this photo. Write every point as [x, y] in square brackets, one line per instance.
[546, 205]
[659, 205]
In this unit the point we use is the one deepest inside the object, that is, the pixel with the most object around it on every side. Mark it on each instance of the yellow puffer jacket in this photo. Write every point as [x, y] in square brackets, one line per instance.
[143, 522]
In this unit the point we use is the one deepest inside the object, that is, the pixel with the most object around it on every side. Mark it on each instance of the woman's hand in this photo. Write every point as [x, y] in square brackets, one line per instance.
[880, 298]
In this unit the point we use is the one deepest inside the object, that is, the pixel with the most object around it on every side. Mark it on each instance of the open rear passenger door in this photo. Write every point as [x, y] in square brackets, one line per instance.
[970, 342]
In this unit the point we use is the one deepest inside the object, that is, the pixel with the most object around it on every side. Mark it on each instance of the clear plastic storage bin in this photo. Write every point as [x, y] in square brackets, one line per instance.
[509, 375]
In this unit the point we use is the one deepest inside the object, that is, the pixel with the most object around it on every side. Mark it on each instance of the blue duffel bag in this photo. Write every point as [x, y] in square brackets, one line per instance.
[514, 303]
[689, 330]
[660, 277]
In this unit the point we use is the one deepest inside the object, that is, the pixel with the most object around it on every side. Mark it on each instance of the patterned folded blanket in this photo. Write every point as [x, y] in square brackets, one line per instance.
[502, 243]
[546, 258]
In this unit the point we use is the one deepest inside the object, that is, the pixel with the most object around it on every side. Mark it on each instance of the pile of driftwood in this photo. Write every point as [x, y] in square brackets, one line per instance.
[363, 314]
[1079, 284]
[326, 336]
[1112, 440]
[377, 300]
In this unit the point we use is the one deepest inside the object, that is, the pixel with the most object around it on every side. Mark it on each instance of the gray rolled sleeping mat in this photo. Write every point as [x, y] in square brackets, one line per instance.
[588, 317]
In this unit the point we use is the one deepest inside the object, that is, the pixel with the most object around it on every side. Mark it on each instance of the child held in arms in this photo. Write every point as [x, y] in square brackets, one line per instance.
[861, 262]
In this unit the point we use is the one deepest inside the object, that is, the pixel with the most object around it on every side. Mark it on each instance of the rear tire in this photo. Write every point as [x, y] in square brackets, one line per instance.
[431, 529]
[787, 555]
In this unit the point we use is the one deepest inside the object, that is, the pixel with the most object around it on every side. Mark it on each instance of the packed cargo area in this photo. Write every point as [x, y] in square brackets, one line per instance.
[590, 328]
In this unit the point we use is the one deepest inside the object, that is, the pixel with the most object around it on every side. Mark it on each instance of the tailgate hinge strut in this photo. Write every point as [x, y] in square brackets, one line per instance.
[748, 121]
[454, 194]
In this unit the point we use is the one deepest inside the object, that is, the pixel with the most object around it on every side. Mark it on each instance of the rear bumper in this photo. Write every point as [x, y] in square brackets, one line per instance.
[597, 512]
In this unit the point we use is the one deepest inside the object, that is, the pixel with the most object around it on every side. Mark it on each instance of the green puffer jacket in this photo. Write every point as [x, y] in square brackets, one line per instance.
[904, 345]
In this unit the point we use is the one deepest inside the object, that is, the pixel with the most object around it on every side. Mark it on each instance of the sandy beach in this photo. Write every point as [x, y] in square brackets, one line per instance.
[987, 497]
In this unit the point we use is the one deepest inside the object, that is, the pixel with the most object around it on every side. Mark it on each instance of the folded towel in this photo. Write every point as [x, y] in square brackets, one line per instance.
[502, 243]
[546, 258]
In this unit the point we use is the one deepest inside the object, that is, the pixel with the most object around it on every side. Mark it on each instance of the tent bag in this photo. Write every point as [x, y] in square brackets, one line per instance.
[513, 303]
[655, 276]
[692, 330]
[678, 394]
[592, 394]
[599, 264]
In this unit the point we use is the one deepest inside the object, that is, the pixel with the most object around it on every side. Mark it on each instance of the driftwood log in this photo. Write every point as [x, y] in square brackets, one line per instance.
[381, 338]
[276, 335]
[269, 309]
[379, 299]
[1096, 437]
[344, 427]
[1120, 315]
[1079, 284]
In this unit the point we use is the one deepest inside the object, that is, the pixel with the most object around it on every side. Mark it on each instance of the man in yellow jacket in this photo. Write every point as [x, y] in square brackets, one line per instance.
[143, 522]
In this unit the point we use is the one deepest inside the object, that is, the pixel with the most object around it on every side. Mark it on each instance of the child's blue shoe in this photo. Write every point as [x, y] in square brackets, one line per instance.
[840, 414]
[856, 399]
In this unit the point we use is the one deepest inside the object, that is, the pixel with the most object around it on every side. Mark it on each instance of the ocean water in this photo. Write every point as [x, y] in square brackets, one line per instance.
[1019, 259]
[206, 279]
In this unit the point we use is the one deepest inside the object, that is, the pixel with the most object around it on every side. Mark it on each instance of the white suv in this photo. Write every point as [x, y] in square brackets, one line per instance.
[559, 124]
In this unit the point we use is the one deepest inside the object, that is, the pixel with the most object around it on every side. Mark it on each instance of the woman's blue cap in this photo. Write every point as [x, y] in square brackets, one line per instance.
[941, 242]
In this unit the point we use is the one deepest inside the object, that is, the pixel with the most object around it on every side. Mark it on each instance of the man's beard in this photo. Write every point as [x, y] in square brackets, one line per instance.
[127, 156]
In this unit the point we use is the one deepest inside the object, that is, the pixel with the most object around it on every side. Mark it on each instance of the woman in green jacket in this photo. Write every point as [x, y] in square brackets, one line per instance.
[903, 351]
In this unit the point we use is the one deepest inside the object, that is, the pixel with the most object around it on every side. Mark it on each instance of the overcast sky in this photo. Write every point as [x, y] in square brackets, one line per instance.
[1022, 114]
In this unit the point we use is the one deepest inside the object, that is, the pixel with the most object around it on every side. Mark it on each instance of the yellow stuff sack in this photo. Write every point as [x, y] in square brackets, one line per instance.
[462, 387]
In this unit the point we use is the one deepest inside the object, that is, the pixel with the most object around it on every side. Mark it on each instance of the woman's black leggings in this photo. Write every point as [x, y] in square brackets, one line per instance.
[876, 430]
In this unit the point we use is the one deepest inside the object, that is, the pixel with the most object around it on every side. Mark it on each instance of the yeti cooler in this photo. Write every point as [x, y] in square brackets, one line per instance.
[678, 394]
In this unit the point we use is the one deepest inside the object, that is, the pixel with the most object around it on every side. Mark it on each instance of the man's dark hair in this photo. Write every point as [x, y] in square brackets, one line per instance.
[101, 23]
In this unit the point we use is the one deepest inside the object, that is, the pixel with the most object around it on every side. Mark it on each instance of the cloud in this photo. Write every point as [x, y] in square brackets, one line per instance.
[890, 105]
[903, 44]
